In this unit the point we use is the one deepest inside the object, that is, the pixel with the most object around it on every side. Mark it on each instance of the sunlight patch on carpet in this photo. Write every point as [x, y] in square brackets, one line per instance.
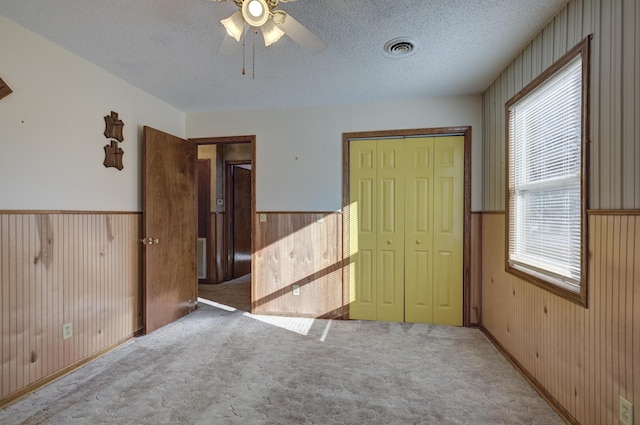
[299, 325]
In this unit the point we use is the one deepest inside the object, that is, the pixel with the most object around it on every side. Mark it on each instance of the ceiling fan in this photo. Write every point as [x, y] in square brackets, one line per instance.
[273, 24]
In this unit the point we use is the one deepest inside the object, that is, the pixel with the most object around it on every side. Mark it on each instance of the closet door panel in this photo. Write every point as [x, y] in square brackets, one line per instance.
[419, 230]
[363, 213]
[390, 238]
[448, 230]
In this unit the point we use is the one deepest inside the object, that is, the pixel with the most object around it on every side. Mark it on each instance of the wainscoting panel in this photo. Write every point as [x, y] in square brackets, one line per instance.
[584, 358]
[57, 268]
[475, 270]
[298, 249]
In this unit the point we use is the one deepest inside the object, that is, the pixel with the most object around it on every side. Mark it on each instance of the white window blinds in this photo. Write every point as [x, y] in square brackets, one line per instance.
[545, 150]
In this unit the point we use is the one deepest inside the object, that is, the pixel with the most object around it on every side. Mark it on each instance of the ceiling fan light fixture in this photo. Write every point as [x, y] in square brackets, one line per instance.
[255, 12]
[234, 25]
[271, 32]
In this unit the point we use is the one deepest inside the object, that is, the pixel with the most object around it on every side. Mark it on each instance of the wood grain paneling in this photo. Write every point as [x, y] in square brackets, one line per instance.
[56, 268]
[298, 249]
[170, 224]
[583, 358]
[615, 99]
[475, 271]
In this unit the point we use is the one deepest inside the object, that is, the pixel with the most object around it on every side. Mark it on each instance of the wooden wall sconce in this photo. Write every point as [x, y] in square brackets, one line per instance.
[5, 90]
[113, 130]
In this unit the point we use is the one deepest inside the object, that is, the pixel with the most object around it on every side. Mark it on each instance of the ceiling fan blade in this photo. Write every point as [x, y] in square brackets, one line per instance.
[229, 46]
[301, 35]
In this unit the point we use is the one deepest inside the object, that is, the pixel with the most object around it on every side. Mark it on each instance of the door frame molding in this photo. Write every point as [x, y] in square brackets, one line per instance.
[231, 140]
[464, 131]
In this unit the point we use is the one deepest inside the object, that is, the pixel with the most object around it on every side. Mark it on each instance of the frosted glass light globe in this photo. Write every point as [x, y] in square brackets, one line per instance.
[255, 8]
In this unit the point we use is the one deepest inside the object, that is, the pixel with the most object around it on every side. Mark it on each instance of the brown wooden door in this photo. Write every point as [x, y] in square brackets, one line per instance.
[170, 228]
[241, 222]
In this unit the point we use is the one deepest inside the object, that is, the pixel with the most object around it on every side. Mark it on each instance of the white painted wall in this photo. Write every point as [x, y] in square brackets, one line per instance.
[51, 129]
[299, 151]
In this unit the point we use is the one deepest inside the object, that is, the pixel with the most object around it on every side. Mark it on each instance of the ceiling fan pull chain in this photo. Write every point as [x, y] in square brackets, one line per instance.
[255, 31]
[243, 54]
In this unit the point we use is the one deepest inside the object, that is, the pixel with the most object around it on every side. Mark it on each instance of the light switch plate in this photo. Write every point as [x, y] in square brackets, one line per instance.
[263, 218]
[296, 289]
[319, 218]
[219, 202]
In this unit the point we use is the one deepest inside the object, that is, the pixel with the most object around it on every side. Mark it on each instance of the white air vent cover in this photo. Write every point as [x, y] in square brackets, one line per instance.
[401, 47]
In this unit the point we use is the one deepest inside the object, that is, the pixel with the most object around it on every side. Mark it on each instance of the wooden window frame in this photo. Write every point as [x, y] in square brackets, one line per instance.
[578, 297]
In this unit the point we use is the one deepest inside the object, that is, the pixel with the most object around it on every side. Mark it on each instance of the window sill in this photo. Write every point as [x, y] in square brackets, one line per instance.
[577, 295]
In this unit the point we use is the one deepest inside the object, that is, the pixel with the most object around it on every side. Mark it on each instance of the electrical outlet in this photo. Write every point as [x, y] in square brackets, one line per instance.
[296, 289]
[67, 330]
[626, 412]
[263, 218]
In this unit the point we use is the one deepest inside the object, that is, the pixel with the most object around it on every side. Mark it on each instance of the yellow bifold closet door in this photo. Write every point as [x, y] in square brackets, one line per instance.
[377, 204]
[407, 200]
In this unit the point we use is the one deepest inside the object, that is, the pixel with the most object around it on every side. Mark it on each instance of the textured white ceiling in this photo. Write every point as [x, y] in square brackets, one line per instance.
[169, 48]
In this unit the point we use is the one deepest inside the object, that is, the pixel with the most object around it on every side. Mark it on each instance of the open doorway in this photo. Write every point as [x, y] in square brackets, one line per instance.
[226, 207]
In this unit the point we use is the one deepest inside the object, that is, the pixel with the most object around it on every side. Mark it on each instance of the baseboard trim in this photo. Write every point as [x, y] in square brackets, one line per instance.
[555, 405]
[65, 371]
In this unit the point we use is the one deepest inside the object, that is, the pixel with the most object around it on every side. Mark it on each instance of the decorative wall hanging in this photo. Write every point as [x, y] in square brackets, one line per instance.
[113, 130]
[113, 127]
[5, 90]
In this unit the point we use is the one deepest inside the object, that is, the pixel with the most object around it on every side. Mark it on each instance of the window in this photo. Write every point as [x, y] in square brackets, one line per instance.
[546, 171]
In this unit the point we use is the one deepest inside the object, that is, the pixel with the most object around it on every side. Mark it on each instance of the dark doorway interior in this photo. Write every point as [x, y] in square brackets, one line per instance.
[240, 182]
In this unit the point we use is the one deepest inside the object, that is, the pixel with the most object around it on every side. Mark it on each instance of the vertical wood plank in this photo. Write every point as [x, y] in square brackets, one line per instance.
[635, 104]
[35, 308]
[630, 67]
[6, 306]
[560, 29]
[17, 283]
[634, 392]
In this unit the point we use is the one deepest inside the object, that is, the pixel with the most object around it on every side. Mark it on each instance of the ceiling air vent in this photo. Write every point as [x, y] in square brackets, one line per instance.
[401, 47]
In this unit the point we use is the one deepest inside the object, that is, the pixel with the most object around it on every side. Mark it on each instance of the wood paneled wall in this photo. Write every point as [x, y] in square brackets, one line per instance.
[298, 249]
[584, 358]
[475, 271]
[56, 268]
[615, 99]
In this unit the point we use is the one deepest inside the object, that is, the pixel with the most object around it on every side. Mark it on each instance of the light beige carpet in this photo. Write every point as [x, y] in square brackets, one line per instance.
[217, 366]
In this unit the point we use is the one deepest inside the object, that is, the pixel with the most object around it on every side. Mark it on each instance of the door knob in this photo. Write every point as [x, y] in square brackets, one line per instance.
[149, 241]
[388, 242]
[418, 242]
